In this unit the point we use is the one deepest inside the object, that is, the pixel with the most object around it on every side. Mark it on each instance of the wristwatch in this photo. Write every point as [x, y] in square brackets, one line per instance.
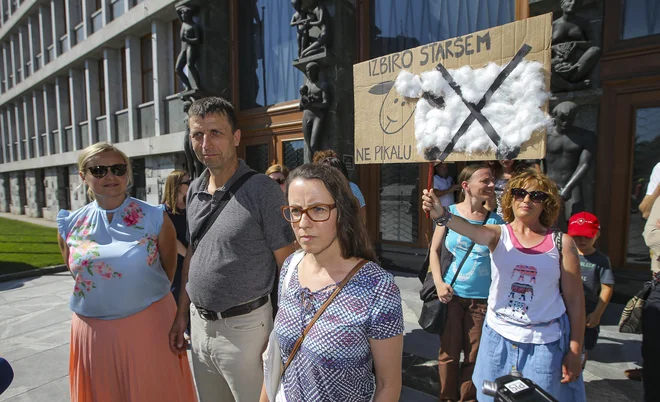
[444, 219]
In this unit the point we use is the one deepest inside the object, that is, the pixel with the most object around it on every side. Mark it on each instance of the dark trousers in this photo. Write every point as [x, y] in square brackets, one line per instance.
[651, 346]
[6, 375]
[465, 319]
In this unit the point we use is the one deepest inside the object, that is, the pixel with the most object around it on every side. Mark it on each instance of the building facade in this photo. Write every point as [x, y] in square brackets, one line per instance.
[74, 72]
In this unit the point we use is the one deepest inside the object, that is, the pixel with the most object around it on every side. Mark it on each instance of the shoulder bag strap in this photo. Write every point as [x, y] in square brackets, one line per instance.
[217, 209]
[321, 310]
[558, 236]
[467, 253]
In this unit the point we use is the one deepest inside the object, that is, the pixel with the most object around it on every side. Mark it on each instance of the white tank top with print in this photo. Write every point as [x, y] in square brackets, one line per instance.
[524, 303]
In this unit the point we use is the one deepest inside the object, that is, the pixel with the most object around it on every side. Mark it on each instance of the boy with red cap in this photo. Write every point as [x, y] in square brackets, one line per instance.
[597, 276]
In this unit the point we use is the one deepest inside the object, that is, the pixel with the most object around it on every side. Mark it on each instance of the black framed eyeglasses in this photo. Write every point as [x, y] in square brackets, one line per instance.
[316, 213]
[536, 196]
[101, 171]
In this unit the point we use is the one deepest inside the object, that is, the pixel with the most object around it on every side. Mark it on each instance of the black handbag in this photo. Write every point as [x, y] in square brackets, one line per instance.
[433, 316]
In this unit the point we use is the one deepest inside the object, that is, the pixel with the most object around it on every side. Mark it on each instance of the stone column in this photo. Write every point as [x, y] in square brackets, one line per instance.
[19, 127]
[133, 84]
[9, 137]
[6, 155]
[23, 51]
[28, 127]
[162, 65]
[14, 55]
[157, 168]
[33, 40]
[56, 190]
[57, 23]
[34, 183]
[38, 122]
[63, 110]
[6, 54]
[45, 32]
[107, 11]
[112, 79]
[78, 107]
[77, 189]
[73, 8]
[50, 118]
[17, 188]
[5, 194]
[92, 96]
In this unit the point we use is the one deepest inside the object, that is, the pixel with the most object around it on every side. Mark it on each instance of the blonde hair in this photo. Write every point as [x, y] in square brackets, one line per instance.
[527, 178]
[87, 154]
[277, 168]
[172, 185]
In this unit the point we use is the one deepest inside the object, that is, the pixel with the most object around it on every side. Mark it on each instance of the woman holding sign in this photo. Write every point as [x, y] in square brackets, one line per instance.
[536, 293]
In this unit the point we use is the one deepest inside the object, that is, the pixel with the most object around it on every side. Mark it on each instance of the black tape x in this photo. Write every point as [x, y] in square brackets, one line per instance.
[475, 110]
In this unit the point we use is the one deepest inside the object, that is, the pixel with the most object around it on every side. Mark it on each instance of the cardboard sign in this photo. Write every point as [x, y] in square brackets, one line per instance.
[385, 120]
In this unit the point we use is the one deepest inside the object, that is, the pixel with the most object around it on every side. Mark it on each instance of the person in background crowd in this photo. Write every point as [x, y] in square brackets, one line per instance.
[597, 277]
[174, 203]
[444, 185]
[229, 274]
[528, 320]
[466, 300]
[122, 254]
[354, 351]
[279, 173]
[651, 313]
[506, 169]
[6, 375]
[652, 193]
[330, 158]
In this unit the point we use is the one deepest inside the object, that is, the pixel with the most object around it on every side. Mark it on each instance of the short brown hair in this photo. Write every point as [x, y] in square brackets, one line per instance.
[466, 175]
[530, 177]
[172, 185]
[277, 168]
[214, 105]
[326, 153]
[351, 231]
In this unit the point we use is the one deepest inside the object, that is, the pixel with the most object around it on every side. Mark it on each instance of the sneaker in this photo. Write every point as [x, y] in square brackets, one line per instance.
[634, 374]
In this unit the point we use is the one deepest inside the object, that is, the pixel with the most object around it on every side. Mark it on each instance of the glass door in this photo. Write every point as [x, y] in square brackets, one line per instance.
[646, 154]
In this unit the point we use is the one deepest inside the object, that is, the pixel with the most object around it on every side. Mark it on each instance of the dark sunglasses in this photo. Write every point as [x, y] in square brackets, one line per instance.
[536, 196]
[280, 181]
[101, 171]
[187, 182]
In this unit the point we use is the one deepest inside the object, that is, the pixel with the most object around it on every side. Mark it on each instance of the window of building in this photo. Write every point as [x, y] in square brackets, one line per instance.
[176, 49]
[101, 69]
[124, 93]
[268, 46]
[640, 18]
[293, 153]
[147, 69]
[256, 157]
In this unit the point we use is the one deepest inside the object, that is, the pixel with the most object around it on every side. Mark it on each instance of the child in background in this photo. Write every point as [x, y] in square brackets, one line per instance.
[597, 276]
[444, 185]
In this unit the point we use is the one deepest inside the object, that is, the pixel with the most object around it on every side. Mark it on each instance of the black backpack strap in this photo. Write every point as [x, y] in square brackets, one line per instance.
[217, 209]
[467, 254]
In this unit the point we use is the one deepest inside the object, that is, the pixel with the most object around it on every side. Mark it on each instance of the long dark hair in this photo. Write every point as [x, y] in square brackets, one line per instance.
[351, 231]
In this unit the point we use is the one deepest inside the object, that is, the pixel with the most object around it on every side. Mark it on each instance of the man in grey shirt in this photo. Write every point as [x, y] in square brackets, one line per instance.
[230, 273]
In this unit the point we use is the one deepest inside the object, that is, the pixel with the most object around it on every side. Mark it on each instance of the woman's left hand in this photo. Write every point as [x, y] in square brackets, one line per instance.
[571, 367]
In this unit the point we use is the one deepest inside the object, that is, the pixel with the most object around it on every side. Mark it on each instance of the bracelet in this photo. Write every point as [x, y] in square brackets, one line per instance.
[444, 219]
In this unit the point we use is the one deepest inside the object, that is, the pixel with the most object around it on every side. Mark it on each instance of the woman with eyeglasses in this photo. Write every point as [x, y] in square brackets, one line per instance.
[122, 254]
[174, 203]
[353, 351]
[278, 173]
[536, 294]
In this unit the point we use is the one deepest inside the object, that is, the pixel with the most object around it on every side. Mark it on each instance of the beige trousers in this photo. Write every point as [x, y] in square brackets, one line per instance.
[226, 355]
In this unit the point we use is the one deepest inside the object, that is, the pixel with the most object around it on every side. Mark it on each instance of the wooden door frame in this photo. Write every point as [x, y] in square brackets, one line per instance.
[617, 143]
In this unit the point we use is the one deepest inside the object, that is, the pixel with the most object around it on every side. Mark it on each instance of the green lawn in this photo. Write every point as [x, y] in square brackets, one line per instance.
[25, 246]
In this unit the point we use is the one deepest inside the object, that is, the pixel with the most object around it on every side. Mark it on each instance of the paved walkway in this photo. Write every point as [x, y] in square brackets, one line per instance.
[35, 323]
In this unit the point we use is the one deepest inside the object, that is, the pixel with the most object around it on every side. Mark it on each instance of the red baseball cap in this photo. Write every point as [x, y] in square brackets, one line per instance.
[583, 224]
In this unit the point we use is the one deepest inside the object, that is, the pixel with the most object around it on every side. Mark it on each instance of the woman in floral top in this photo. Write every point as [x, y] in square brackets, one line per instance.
[353, 352]
[122, 255]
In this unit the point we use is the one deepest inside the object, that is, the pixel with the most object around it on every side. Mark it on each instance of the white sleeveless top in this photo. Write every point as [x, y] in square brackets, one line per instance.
[524, 303]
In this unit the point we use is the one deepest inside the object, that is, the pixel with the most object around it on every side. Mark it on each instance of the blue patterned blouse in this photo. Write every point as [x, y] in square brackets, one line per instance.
[116, 265]
[335, 362]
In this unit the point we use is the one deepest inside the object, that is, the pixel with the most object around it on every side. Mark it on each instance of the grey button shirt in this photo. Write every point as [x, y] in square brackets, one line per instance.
[234, 262]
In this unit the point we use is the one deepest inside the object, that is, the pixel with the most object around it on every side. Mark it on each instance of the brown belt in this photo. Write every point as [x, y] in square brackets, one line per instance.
[232, 312]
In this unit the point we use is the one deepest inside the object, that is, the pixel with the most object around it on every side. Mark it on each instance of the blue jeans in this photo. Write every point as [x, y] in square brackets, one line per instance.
[540, 363]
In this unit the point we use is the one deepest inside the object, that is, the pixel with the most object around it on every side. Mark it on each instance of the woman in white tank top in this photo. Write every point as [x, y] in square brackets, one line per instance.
[536, 294]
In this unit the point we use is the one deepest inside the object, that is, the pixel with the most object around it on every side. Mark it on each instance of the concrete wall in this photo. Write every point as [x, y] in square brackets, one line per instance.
[34, 188]
[4, 193]
[17, 189]
[56, 191]
[76, 189]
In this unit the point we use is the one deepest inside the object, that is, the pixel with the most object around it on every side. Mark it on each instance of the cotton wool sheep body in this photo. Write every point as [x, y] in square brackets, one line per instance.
[514, 110]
